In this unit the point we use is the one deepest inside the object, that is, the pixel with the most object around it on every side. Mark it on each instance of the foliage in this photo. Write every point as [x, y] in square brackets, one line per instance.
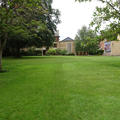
[31, 52]
[63, 52]
[114, 5]
[108, 16]
[109, 34]
[100, 52]
[51, 52]
[86, 41]
[71, 54]
[25, 23]
[56, 52]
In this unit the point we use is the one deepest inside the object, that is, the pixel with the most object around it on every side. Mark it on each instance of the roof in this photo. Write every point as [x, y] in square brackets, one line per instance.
[68, 39]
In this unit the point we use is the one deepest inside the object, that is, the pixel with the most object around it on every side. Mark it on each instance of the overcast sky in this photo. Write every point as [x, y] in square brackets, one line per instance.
[73, 16]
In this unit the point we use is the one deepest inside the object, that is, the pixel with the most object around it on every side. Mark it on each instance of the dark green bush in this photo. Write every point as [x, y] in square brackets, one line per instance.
[58, 51]
[31, 52]
[93, 52]
[100, 52]
[71, 54]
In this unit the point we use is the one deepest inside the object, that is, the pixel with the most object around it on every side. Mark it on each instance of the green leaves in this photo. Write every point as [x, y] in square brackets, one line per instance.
[28, 23]
[106, 15]
[86, 41]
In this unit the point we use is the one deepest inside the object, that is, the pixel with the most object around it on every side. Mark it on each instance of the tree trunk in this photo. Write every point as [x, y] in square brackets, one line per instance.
[2, 44]
[0, 55]
[17, 53]
[0, 60]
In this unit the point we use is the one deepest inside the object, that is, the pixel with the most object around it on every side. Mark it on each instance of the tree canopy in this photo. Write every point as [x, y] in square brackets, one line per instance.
[27, 23]
[86, 41]
[106, 18]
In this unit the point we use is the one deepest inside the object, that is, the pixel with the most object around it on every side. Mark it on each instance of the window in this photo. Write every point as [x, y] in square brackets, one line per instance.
[69, 47]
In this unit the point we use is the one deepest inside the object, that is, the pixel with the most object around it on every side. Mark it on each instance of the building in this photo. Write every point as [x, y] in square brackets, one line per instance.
[66, 44]
[111, 48]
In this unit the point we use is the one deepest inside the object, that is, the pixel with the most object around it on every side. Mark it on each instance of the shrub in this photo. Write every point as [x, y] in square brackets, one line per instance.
[100, 52]
[63, 52]
[71, 54]
[93, 52]
[31, 52]
[51, 52]
[56, 52]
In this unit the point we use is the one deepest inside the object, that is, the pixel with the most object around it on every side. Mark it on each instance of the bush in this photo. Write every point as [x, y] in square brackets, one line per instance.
[63, 52]
[31, 52]
[56, 52]
[93, 52]
[71, 54]
[100, 52]
[51, 52]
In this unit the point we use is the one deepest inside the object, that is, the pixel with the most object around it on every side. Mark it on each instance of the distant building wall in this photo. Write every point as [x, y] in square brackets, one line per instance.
[69, 46]
[112, 48]
[115, 48]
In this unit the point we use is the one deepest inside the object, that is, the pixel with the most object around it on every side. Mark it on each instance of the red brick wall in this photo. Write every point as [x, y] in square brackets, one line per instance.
[56, 38]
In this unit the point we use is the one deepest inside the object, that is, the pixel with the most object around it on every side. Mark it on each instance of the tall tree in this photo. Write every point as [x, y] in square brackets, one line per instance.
[24, 20]
[15, 13]
[86, 41]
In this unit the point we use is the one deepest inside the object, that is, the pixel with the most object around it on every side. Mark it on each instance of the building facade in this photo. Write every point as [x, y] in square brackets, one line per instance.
[66, 44]
[111, 48]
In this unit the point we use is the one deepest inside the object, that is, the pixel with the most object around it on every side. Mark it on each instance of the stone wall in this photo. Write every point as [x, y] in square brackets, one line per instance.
[64, 45]
[115, 48]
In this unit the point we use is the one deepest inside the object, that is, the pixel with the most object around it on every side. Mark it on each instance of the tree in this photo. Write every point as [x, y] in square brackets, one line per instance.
[45, 37]
[109, 34]
[18, 38]
[7, 13]
[22, 21]
[109, 14]
[110, 3]
[86, 41]
[15, 13]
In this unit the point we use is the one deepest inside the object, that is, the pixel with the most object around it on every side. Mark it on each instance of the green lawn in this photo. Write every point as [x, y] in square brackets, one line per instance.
[60, 88]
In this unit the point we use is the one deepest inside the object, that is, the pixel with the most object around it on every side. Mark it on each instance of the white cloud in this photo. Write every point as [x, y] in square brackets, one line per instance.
[73, 16]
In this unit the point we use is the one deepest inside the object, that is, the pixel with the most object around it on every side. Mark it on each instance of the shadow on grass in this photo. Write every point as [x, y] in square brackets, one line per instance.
[25, 58]
[3, 71]
[41, 57]
[30, 57]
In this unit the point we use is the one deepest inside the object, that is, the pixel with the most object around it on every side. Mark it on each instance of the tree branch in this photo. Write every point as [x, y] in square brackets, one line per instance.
[111, 5]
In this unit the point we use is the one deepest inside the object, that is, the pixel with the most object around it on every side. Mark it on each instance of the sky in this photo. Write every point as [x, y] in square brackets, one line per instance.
[74, 15]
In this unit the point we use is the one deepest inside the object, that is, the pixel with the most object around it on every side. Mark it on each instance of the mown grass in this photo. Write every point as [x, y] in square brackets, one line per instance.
[60, 88]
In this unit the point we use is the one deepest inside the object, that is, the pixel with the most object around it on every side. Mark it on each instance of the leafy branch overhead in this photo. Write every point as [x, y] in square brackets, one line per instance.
[106, 16]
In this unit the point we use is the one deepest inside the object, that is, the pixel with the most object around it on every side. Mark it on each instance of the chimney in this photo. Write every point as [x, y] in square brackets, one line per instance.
[57, 36]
